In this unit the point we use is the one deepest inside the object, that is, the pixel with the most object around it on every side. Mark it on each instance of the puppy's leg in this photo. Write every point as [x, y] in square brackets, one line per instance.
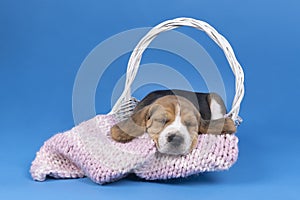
[216, 105]
[218, 126]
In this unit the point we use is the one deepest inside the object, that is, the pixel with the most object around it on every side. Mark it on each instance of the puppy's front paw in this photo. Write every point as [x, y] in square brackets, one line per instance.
[118, 135]
[229, 126]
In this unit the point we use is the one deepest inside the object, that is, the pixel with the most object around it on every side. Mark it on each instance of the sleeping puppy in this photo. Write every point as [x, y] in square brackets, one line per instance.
[174, 118]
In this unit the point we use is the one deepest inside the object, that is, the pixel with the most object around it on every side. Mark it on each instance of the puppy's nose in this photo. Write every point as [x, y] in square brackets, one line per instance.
[175, 139]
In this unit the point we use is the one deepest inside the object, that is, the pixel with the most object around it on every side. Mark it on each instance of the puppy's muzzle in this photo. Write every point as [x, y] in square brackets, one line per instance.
[174, 143]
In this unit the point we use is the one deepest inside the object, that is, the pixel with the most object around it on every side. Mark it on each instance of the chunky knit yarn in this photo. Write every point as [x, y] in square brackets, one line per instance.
[88, 150]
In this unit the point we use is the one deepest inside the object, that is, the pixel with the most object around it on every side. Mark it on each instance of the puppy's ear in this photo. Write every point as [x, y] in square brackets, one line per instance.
[218, 126]
[132, 127]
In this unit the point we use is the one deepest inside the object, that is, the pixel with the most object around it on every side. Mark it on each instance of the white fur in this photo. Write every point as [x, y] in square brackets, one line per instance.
[216, 110]
[176, 126]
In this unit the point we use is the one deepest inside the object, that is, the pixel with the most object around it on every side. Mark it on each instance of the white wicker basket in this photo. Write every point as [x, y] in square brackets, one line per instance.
[126, 103]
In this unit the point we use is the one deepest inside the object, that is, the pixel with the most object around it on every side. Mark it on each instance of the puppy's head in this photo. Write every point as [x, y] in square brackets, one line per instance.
[171, 121]
[173, 124]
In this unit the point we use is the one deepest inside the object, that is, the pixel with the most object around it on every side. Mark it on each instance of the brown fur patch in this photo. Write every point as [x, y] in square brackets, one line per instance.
[218, 126]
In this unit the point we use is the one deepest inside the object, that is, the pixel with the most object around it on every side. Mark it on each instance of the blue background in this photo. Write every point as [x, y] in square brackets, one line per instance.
[43, 43]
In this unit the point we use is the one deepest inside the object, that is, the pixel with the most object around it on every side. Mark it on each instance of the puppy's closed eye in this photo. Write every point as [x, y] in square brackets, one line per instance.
[157, 125]
[162, 121]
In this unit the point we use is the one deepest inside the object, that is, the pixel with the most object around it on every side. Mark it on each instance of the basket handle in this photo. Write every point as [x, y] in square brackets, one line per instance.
[135, 59]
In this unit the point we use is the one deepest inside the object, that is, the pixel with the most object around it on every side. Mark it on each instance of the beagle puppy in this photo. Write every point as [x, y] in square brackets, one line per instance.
[174, 118]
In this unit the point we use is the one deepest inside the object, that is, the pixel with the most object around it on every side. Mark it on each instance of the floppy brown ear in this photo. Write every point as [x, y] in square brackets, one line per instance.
[218, 126]
[132, 127]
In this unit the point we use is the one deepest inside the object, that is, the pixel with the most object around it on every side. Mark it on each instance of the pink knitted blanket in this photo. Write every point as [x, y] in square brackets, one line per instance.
[88, 150]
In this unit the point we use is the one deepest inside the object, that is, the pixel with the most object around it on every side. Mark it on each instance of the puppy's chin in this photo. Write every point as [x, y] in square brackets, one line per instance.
[173, 151]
